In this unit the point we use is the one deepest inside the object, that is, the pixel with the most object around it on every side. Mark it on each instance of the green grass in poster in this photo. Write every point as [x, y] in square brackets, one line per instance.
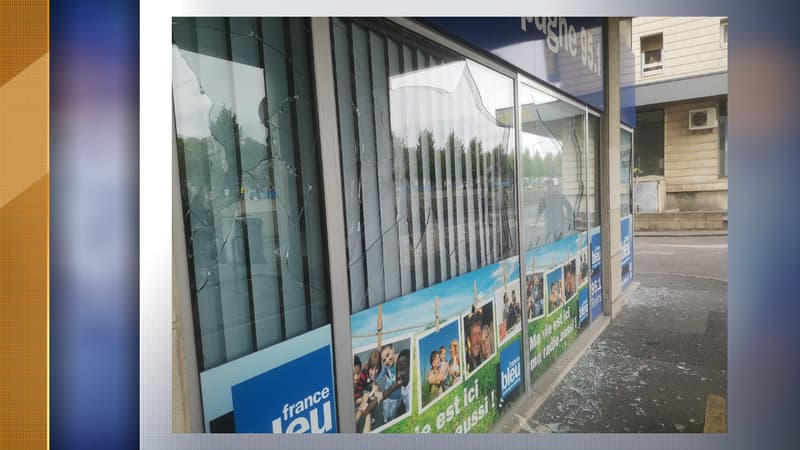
[550, 336]
[469, 407]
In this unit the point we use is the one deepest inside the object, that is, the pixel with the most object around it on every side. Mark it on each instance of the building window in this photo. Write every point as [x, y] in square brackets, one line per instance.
[723, 33]
[723, 138]
[649, 143]
[248, 158]
[651, 47]
[428, 161]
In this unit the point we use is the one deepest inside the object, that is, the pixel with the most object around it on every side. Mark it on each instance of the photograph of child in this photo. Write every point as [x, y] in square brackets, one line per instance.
[381, 384]
[569, 279]
[507, 301]
[555, 293]
[583, 266]
[478, 336]
[535, 294]
[436, 373]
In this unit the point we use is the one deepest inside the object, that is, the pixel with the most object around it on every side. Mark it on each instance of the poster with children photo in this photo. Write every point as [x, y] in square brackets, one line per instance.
[382, 384]
[534, 283]
[509, 309]
[555, 290]
[569, 279]
[439, 362]
[479, 339]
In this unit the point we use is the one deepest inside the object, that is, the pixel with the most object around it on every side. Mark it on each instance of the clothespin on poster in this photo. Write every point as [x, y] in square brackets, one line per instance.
[474, 297]
[505, 277]
[380, 326]
[437, 313]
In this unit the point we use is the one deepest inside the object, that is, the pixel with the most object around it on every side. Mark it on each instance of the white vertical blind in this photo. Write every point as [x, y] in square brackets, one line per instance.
[427, 167]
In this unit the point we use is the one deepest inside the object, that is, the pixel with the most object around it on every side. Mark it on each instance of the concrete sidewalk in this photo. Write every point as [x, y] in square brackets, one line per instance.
[661, 365]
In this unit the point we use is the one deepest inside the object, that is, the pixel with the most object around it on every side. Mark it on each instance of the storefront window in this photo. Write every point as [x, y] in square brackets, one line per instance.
[594, 177]
[554, 193]
[250, 182]
[428, 161]
[625, 172]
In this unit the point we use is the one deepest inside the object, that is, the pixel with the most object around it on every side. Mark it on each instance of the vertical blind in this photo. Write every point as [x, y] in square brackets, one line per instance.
[428, 163]
[250, 178]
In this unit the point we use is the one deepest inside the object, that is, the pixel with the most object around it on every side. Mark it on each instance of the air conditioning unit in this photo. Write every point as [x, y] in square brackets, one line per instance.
[703, 119]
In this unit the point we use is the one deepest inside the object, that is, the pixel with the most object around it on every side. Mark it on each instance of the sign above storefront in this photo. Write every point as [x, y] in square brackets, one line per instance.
[565, 52]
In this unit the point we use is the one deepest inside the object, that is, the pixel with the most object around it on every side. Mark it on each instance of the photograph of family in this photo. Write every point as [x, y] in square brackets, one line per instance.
[439, 359]
[507, 302]
[534, 287]
[382, 384]
[478, 336]
[555, 295]
[569, 279]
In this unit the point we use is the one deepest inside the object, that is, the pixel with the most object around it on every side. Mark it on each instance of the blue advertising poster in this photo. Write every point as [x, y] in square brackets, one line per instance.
[627, 251]
[285, 388]
[596, 287]
[583, 308]
[296, 397]
[510, 370]
[440, 360]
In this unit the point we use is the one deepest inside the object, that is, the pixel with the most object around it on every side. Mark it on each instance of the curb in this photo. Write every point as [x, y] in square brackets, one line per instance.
[680, 233]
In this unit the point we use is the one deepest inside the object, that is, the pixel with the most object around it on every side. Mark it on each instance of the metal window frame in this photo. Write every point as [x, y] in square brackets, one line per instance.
[342, 348]
[630, 130]
[182, 299]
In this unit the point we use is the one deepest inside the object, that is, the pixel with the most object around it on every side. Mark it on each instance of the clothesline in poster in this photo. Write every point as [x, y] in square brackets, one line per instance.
[429, 362]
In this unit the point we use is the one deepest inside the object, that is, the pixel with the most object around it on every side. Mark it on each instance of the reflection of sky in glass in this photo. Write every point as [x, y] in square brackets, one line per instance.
[534, 143]
[556, 253]
[459, 97]
[215, 92]
[413, 312]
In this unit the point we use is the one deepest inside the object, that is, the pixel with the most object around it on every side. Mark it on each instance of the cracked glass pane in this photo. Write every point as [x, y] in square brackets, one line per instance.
[554, 172]
[428, 161]
[593, 172]
[553, 167]
[250, 180]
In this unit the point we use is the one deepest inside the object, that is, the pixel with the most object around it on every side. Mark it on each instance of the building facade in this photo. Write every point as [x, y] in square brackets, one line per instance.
[390, 225]
[681, 66]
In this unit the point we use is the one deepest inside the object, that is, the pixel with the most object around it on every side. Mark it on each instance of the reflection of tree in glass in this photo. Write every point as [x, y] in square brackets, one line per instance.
[536, 166]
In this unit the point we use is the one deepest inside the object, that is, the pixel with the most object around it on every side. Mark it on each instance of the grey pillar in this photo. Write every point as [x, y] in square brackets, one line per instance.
[337, 253]
[609, 167]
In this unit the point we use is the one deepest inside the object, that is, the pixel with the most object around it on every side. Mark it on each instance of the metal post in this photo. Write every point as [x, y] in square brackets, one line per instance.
[337, 252]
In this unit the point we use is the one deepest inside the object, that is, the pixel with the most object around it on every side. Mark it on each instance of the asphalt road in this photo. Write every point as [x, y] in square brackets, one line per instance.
[654, 367]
